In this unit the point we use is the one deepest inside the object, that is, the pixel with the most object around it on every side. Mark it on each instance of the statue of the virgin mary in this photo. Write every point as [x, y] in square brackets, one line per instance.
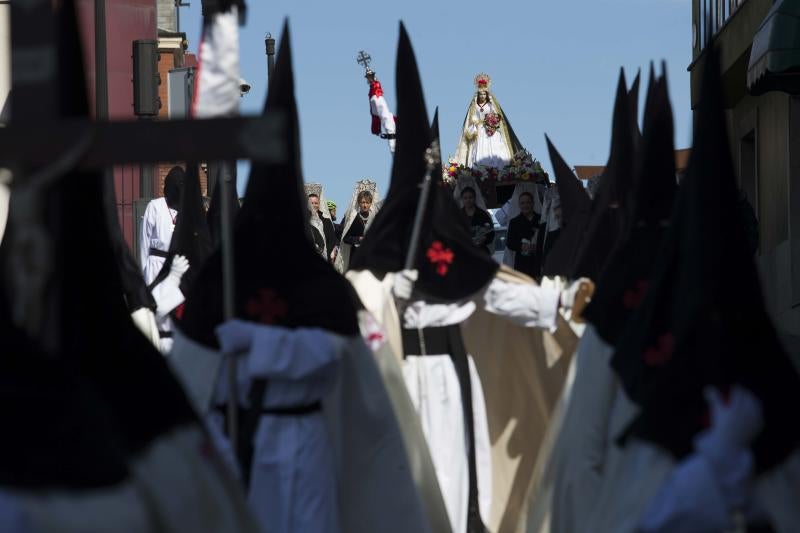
[487, 138]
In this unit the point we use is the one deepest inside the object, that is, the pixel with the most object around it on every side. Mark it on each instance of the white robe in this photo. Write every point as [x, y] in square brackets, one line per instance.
[365, 448]
[292, 478]
[486, 150]
[584, 438]
[434, 389]
[157, 227]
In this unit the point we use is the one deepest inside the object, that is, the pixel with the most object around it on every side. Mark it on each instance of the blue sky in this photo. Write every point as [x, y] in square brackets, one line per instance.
[554, 66]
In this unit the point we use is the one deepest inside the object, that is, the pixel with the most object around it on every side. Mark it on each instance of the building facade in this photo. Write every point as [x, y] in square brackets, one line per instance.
[126, 21]
[765, 142]
[5, 58]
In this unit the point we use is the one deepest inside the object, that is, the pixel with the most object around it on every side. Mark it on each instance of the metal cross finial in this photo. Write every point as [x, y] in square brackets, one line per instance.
[363, 59]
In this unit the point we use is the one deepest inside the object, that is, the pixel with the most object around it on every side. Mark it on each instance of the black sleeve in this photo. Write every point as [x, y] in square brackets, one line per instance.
[487, 219]
[356, 230]
[330, 234]
[514, 237]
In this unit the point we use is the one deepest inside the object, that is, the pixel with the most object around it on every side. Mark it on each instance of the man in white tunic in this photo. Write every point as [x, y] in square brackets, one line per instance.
[158, 224]
[189, 248]
[451, 280]
[317, 446]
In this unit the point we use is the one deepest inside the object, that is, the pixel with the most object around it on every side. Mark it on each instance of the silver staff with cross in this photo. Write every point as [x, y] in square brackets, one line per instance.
[364, 60]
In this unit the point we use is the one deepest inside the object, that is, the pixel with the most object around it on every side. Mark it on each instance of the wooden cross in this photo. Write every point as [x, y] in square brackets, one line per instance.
[37, 135]
[363, 59]
[38, 141]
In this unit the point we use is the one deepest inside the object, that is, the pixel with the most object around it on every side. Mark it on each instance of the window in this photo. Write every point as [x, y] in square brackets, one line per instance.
[712, 16]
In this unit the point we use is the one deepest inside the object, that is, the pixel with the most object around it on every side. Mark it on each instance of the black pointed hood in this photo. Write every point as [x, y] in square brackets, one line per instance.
[624, 282]
[435, 126]
[135, 289]
[214, 215]
[633, 105]
[575, 212]
[77, 402]
[450, 267]
[173, 185]
[191, 237]
[703, 321]
[280, 278]
[611, 204]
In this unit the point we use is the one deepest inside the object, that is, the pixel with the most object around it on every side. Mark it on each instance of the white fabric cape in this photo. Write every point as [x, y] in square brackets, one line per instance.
[522, 371]
[586, 483]
[572, 469]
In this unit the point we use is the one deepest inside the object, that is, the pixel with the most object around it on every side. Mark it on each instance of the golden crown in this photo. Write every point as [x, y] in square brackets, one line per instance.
[483, 82]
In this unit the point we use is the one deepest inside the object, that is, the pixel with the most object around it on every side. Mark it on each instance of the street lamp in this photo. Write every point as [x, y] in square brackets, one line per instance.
[269, 44]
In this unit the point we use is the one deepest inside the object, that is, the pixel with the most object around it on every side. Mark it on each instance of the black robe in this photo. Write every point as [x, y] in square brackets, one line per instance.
[478, 223]
[354, 235]
[330, 234]
[521, 228]
[546, 240]
[318, 239]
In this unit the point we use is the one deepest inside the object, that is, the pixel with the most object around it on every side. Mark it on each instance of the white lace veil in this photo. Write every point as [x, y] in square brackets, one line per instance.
[315, 220]
[552, 201]
[469, 181]
[343, 258]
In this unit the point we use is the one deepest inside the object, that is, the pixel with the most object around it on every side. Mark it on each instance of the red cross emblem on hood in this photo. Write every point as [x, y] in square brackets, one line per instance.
[441, 257]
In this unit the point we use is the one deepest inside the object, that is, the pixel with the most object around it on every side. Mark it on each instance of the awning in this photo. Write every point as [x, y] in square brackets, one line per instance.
[775, 56]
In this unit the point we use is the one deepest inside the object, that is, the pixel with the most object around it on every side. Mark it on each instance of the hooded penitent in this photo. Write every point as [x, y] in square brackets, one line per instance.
[78, 410]
[279, 276]
[191, 237]
[610, 207]
[575, 212]
[173, 183]
[65, 437]
[450, 267]
[624, 283]
[703, 321]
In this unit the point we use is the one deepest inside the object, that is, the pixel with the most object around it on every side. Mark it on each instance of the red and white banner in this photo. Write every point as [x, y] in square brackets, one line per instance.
[217, 91]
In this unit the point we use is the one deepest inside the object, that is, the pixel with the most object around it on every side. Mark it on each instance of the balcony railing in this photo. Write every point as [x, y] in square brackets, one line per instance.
[712, 17]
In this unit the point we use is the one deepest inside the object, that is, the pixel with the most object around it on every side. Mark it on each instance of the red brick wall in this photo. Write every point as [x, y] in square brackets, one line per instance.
[169, 60]
[126, 21]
